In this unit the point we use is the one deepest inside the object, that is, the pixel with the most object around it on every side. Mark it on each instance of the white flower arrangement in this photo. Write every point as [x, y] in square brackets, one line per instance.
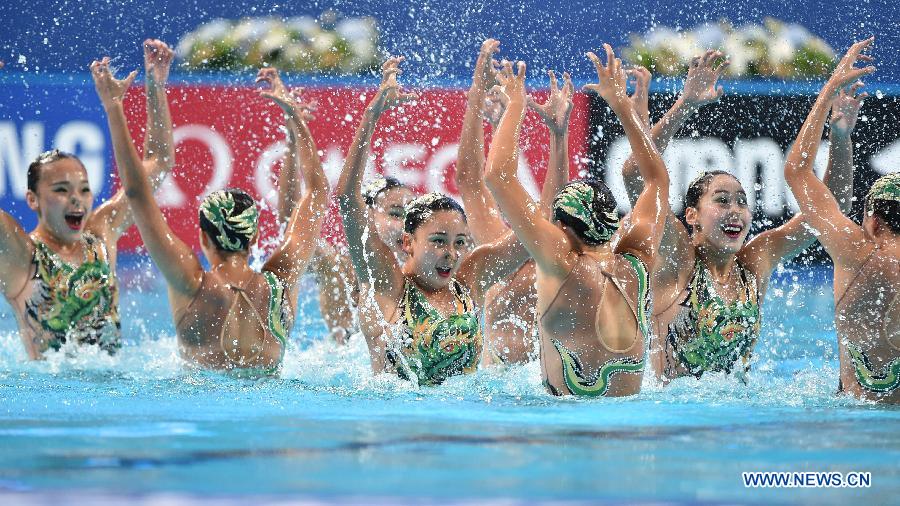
[302, 44]
[773, 49]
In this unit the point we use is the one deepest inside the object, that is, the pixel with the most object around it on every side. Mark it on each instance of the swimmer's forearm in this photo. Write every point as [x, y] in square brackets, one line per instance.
[649, 162]
[557, 169]
[484, 217]
[802, 155]
[665, 129]
[470, 154]
[349, 184]
[159, 145]
[313, 174]
[129, 162]
[288, 186]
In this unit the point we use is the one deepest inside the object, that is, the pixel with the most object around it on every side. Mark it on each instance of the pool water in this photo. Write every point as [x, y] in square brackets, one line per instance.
[145, 426]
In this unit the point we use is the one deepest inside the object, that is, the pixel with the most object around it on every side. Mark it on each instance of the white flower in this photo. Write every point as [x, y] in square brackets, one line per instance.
[307, 26]
[781, 50]
[274, 40]
[709, 35]
[214, 30]
[660, 37]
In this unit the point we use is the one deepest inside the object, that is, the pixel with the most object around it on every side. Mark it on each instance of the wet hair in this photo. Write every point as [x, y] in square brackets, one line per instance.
[47, 157]
[698, 187]
[588, 207]
[421, 208]
[230, 219]
[883, 201]
[375, 187]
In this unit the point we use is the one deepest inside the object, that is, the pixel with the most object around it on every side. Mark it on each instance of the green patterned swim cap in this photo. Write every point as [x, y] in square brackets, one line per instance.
[230, 218]
[886, 188]
[589, 208]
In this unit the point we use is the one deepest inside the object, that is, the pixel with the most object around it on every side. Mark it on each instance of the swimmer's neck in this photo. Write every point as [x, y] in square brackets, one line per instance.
[230, 266]
[55, 243]
[602, 252]
[719, 264]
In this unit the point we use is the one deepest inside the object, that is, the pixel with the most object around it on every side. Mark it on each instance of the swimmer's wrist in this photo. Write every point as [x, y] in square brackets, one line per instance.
[111, 105]
[687, 105]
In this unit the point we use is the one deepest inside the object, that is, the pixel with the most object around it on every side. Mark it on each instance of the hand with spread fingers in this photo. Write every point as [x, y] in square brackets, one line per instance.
[158, 57]
[486, 67]
[110, 90]
[845, 109]
[289, 100]
[703, 73]
[846, 71]
[556, 110]
[512, 85]
[640, 98]
[611, 80]
[390, 94]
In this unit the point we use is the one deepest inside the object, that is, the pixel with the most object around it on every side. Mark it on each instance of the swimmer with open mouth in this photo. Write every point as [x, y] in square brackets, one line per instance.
[68, 292]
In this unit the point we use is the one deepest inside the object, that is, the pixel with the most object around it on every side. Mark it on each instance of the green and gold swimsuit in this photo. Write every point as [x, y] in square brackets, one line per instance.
[710, 334]
[885, 381]
[75, 302]
[430, 348]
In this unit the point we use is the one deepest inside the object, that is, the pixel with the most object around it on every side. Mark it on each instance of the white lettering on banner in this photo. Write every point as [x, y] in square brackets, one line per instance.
[754, 157]
[332, 164]
[83, 138]
[86, 140]
[887, 160]
[15, 157]
[436, 171]
[169, 194]
[752, 160]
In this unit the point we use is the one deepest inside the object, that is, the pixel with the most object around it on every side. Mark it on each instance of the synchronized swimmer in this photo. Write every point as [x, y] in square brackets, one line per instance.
[437, 288]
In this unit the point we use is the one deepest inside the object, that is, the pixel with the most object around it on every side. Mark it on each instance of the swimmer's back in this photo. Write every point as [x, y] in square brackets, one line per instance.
[592, 323]
[867, 319]
[223, 328]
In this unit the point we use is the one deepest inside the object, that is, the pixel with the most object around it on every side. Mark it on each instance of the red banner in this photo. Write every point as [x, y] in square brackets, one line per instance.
[231, 137]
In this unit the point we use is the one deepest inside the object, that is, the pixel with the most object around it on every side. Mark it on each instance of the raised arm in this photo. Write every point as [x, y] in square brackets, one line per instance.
[373, 261]
[301, 235]
[114, 217]
[15, 251]
[840, 236]
[546, 243]
[839, 174]
[484, 217]
[651, 210]
[174, 259]
[699, 89]
[291, 179]
[555, 112]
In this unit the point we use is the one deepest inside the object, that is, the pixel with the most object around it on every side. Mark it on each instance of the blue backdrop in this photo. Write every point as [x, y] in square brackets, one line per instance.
[440, 38]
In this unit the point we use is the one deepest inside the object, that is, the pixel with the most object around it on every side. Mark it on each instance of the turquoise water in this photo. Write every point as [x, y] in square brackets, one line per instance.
[144, 426]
